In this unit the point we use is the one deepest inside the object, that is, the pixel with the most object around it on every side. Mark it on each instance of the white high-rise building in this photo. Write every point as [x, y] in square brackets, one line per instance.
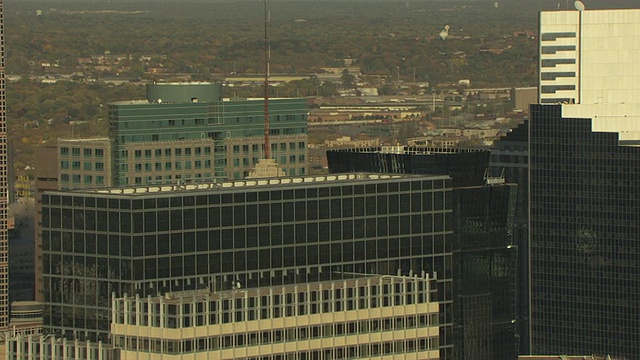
[590, 57]
[590, 63]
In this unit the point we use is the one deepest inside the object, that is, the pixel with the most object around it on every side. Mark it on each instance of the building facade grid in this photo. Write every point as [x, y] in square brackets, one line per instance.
[99, 242]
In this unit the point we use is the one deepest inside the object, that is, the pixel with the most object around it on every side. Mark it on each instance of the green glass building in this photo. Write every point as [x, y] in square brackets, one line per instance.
[187, 132]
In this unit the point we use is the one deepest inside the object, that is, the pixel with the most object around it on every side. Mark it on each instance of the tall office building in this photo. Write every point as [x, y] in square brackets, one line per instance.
[243, 234]
[185, 132]
[484, 307]
[584, 181]
[4, 188]
[510, 159]
[585, 217]
[589, 57]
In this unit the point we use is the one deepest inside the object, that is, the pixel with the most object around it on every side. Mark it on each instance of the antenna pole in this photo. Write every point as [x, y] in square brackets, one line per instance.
[267, 146]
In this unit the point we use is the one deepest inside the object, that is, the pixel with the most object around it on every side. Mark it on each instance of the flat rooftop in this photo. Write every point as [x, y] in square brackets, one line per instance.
[239, 292]
[252, 184]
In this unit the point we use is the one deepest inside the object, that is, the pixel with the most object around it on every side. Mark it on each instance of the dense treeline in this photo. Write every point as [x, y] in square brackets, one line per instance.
[385, 38]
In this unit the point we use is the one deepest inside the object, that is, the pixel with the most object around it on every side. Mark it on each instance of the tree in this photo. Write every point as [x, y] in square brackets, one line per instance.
[348, 81]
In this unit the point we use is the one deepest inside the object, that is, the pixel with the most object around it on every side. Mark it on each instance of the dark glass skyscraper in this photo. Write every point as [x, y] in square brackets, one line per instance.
[484, 257]
[585, 221]
[484, 279]
[153, 240]
[510, 159]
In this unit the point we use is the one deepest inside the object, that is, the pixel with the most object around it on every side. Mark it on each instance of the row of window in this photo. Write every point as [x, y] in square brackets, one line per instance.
[283, 147]
[169, 165]
[265, 307]
[87, 152]
[395, 222]
[86, 165]
[80, 179]
[271, 337]
[177, 152]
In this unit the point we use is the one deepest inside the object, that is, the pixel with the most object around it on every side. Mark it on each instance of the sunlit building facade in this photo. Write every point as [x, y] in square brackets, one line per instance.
[589, 57]
[361, 317]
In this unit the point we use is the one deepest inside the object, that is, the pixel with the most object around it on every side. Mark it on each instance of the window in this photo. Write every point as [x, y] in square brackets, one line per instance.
[167, 165]
[99, 166]
[138, 154]
[99, 152]
[167, 152]
[99, 179]
[147, 153]
[207, 150]
[88, 165]
[187, 151]
[198, 151]
[75, 165]
[87, 152]
[172, 123]
[75, 151]
[64, 164]
[158, 152]
[88, 179]
[76, 179]
[64, 151]
[178, 152]
[138, 167]
[64, 177]
[198, 164]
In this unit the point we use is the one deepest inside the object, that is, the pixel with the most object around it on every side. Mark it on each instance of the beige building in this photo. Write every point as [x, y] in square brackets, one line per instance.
[84, 163]
[386, 317]
[383, 317]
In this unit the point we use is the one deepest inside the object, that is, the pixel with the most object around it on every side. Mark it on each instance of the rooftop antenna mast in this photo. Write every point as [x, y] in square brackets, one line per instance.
[267, 146]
